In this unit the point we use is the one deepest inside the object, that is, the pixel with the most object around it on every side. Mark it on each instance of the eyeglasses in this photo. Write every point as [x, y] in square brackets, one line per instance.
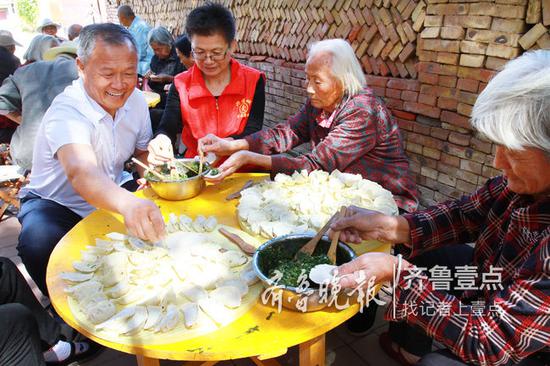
[214, 56]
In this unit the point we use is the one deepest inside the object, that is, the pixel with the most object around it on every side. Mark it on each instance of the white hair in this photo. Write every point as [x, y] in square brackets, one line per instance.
[514, 108]
[345, 65]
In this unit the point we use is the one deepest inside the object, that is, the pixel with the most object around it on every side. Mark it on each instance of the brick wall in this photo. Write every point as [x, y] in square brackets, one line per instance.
[428, 59]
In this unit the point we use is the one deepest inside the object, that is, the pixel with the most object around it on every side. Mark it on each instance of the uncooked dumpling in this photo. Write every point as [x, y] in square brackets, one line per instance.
[190, 312]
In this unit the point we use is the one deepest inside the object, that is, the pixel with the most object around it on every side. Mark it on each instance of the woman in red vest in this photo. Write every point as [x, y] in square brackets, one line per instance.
[216, 96]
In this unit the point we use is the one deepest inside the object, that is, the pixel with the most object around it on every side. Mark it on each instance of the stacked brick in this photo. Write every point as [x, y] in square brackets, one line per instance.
[428, 59]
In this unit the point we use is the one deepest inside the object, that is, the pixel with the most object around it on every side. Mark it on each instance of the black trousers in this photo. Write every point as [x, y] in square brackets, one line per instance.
[24, 324]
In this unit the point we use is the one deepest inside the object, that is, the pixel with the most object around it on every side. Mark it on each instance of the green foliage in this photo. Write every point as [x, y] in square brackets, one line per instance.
[27, 11]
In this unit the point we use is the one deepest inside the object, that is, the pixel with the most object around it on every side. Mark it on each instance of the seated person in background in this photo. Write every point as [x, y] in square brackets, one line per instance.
[8, 64]
[87, 134]
[26, 326]
[497, 313]
[183, 50]
[349, 128]
[28, 93]
[218, 95]
[73, 31]
[165, 63]
[39, 44]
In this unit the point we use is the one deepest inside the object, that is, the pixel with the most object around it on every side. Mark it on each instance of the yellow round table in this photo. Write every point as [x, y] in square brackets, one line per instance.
[152, 98]
[261, 334]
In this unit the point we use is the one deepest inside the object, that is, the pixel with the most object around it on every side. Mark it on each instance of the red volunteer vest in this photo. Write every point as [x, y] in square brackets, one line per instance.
[201, 114]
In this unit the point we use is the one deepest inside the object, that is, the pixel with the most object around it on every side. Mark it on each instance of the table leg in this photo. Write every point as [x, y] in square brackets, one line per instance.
[146, 361]
[268, 362]
[312, 352]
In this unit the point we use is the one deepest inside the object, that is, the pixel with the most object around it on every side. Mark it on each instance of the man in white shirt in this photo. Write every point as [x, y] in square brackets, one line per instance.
[87, 134]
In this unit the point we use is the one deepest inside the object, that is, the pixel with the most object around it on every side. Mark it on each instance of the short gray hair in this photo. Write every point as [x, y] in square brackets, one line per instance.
[40, 44]
[160, 35]
[514, 108]
[345, 65]
[112, 34]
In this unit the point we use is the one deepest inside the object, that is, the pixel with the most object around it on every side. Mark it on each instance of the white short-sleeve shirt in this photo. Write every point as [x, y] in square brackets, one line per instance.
[75, 118]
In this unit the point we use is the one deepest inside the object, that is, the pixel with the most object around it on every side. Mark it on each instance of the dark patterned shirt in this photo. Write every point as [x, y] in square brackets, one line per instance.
[511, 232]
[362, 138]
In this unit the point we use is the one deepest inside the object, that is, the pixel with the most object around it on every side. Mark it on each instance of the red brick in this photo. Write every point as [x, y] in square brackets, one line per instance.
[450, 160]
[427, 99]
[475, 73]
[459, 139]
[482, 146]
[424, 130]
[470, 166]
[404, 115]
[447, 103]
[401, 84]
[376, 80]
[394, 103]
[378, 90]
[464, 109]
[428, 78]
[465, 97]
[455, 119]
[447, 81]
[439, 133]
[404, 124]
[394, 71]
[393, 93]
[409, 96]
[384, 70]
[470, 85]
[423, 109]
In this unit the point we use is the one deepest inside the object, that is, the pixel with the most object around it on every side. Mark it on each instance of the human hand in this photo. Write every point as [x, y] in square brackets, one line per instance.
[231, 165]
[363, 224]
[381, 266]
[216, 145]
[143, 219]
[160, 150]
[148, 74]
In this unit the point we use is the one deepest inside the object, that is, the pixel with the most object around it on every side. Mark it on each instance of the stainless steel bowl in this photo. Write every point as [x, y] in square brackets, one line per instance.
[179, 190]
[290, 297]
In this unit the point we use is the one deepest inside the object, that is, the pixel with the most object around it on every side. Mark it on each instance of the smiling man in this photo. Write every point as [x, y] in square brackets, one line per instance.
[87, 134]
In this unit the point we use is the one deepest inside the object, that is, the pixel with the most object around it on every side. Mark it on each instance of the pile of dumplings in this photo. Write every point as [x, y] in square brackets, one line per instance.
[302, 202]
[125, 286]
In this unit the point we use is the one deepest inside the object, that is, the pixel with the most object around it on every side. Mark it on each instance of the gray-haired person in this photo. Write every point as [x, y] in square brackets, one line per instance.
[38, 46]
[487, 305]
[165, 63]
[349, 128]
[89, 131]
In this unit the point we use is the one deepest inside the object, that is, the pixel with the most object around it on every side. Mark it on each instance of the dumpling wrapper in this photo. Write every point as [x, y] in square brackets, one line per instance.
[230, 296]
[322, 273]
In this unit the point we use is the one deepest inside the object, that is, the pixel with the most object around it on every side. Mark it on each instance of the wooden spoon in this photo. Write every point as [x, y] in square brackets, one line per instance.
[245, 247]
[309, 247]
[334, 243]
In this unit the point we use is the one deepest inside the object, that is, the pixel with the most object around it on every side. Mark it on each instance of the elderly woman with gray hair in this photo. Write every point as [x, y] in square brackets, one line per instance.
[165, 62]
[496, 311]
[349, 129]
[39, 44]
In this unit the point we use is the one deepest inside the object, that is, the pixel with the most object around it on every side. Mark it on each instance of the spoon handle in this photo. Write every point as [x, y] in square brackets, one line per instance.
[334, 243]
